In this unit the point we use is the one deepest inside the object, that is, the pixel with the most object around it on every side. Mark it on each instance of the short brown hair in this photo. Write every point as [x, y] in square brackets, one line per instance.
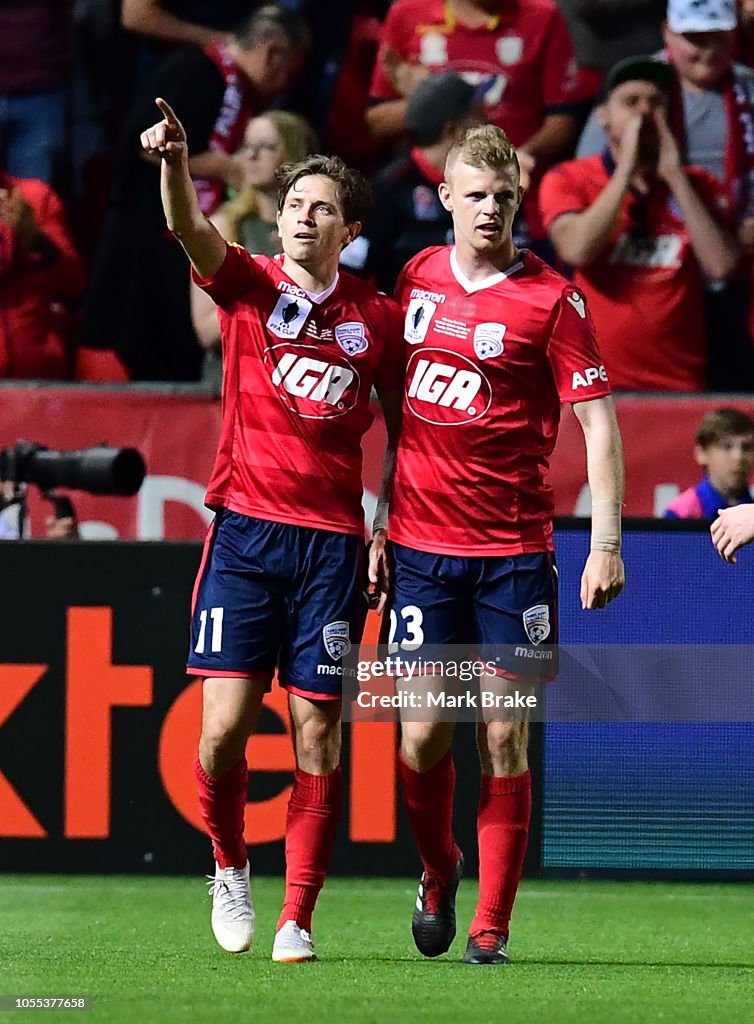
[483, 145]
[353, 191]
[721, 423]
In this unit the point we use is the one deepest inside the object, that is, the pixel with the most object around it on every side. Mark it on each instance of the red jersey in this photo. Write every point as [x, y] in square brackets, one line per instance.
[488, 364]
[297, 374]
[525, 52]
[645, 290]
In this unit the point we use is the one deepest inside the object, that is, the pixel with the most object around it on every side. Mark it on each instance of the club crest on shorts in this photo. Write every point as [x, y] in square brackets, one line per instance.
[537, 623]
[352, 338]
[337, 639]
[488, 340]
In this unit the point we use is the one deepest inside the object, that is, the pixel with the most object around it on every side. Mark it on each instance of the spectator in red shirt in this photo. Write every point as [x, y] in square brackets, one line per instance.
[524, 52]
[40, 275]
[640, 229]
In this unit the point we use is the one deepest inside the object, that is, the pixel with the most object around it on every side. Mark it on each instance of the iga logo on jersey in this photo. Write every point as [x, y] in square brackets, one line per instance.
[446, 388]
[352, 338]
[337, 639]
[588, 376]
[310, 385]
[418, 318]
[488, 340]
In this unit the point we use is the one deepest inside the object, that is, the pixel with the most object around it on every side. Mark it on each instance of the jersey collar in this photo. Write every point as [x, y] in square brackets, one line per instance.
[316, 297]
[488, 282]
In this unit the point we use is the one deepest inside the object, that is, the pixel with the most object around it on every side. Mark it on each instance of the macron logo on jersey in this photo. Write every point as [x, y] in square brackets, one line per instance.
[589, 375]
[319, 389]
[446, 388]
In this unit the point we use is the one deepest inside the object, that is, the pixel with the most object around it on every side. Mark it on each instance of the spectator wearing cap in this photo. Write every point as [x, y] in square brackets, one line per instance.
[524, 53]
[640, 230]
[713, 110]
[407, 215]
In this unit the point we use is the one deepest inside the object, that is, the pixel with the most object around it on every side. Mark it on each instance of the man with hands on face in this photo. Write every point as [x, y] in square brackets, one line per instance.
[640, 229]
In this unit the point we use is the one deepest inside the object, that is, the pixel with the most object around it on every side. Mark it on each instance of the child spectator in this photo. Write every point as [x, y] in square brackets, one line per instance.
[725, 451]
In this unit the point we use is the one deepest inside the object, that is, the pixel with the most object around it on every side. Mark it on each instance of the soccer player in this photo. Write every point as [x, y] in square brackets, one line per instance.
[281, 579]
[495, 340]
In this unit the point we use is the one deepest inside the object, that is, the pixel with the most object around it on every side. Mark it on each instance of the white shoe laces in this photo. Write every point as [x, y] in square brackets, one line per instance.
[232, 893]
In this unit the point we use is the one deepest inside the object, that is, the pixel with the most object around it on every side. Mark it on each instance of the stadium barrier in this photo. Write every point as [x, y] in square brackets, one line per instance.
[98, 726]
[176, 430]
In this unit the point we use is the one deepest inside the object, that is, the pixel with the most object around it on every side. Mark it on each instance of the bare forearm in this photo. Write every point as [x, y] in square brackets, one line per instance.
[386, 487]
[204, 245]
[604, 463]
[716, 251]
[150, 19]
[388, 119]
[581, 238]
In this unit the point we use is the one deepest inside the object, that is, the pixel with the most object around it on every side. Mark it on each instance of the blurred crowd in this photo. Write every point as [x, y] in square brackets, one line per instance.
[633, 121]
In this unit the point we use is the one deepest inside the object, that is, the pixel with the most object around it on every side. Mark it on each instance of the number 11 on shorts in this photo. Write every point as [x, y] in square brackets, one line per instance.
[216, 614]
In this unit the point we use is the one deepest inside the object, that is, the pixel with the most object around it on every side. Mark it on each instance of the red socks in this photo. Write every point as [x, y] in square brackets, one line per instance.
[222, 802]
[428, 797]
[311, 825]
[503, 830]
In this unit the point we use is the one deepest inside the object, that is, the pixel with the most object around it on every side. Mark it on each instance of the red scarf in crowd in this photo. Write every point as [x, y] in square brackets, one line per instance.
[230, 125]
[739, 153]
[739, 156]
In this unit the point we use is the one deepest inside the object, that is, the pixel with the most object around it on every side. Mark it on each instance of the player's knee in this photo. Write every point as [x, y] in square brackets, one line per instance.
[423, 745]
[222, 743]
[318, 747]
[506, 743]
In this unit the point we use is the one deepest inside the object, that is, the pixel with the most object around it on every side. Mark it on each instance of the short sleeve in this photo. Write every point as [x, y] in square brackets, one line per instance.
[573, 351]
[392, 37]
[559, 193]
[391, 370]
[238, 274]
[561, 79]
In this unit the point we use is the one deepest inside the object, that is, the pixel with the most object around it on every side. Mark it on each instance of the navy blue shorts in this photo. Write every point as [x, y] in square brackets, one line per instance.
[479, 603]
[272, 595]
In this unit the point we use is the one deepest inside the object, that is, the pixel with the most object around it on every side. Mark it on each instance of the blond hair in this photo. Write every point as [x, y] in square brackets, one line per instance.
[483, 145]
[299, 140]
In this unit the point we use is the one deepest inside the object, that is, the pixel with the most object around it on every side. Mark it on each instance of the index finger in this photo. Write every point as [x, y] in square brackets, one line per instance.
[167, 110]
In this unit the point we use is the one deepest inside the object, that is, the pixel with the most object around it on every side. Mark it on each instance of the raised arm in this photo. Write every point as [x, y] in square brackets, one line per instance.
[203, 243]
[604, 575]
[150, 18]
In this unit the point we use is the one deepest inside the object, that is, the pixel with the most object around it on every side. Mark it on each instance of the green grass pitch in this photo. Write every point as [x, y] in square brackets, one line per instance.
[585, 952]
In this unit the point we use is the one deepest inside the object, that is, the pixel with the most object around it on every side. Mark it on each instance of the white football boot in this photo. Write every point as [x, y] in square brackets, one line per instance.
[293, 945]
[233, 917]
